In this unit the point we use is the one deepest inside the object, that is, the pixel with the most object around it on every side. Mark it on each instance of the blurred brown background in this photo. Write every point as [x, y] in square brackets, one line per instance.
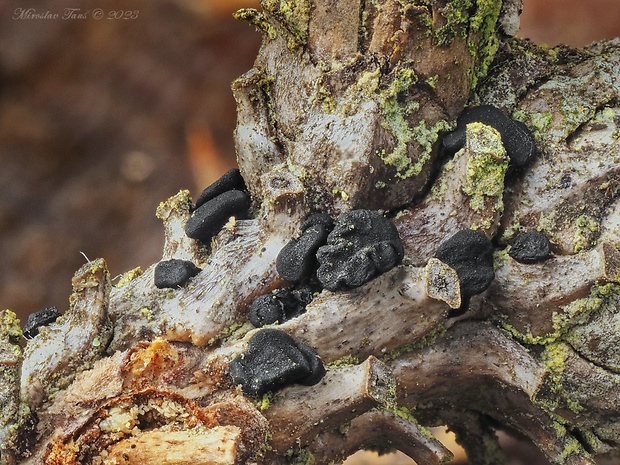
[101, 119]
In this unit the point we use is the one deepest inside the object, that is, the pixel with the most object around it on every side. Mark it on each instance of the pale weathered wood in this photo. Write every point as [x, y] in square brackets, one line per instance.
[356, 122]
[216, 446]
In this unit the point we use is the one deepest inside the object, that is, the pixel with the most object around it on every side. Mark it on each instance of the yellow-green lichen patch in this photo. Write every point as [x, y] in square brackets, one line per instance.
[574, 111]
[515, 227]
[432, 81]
[548, 221]
[398, 107]
[573, 314]
[365, 88]
[586, 231]
[260, 84]
[265, 402]
[399, 157]
[180, 201]
[257, 19]
[404, 79]
[404, 413]
[579, 310]
[554, 358]
[483, 23]
[343, 195]
[300, 456]
[346, 361]
[486, 168]
[501, 256]
[538, 122]
[591, 338]
[396, 115]
[325, 97]
[456, 15]
[589, 439]
[526, 337]
[11, 329]
[146, 313]
[572, 99]
[570, 445]
[368, 83]
[94, 267]
[395, 110]
[476, 22]
[129, 276]
[295, 17]
[427, 137]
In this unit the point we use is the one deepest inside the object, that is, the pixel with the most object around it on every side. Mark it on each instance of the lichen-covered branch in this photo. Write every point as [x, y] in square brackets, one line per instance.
[429, 212]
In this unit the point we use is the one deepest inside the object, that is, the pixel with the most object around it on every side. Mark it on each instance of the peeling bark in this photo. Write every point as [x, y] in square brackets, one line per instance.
[345, 108]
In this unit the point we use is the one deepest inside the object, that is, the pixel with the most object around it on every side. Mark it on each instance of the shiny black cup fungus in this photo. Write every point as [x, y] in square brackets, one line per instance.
[174, 273]
[516, 136]
[273, 360]
[297, 259]
[470, 254]
[231, 180]
[279, 306]
[41, 318]
[210, 217]
[362, 245]
[530, 247]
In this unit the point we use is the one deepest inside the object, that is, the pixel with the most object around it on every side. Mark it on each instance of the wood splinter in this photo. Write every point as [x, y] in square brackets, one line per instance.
[216, 446]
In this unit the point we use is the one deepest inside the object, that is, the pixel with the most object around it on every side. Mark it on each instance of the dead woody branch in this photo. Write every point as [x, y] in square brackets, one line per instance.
[402, 115]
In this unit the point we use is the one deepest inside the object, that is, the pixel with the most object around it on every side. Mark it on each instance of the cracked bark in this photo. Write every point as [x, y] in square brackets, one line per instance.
[344, 109]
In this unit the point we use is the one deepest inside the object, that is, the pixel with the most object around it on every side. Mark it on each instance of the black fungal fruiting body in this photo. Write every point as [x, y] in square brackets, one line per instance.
[530, 247]
[211, 216]
[174, 273]
[279, 306]
[316, 219]
[470, 254]
[274, 359]
[297, 259]
[231, 180]
[41, 318]
[362, 245]
[516, 136]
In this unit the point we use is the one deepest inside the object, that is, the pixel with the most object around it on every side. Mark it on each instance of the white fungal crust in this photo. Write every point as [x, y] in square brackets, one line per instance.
[329, 126]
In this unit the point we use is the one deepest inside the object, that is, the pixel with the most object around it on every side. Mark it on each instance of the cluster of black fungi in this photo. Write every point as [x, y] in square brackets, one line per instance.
[336, 255]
